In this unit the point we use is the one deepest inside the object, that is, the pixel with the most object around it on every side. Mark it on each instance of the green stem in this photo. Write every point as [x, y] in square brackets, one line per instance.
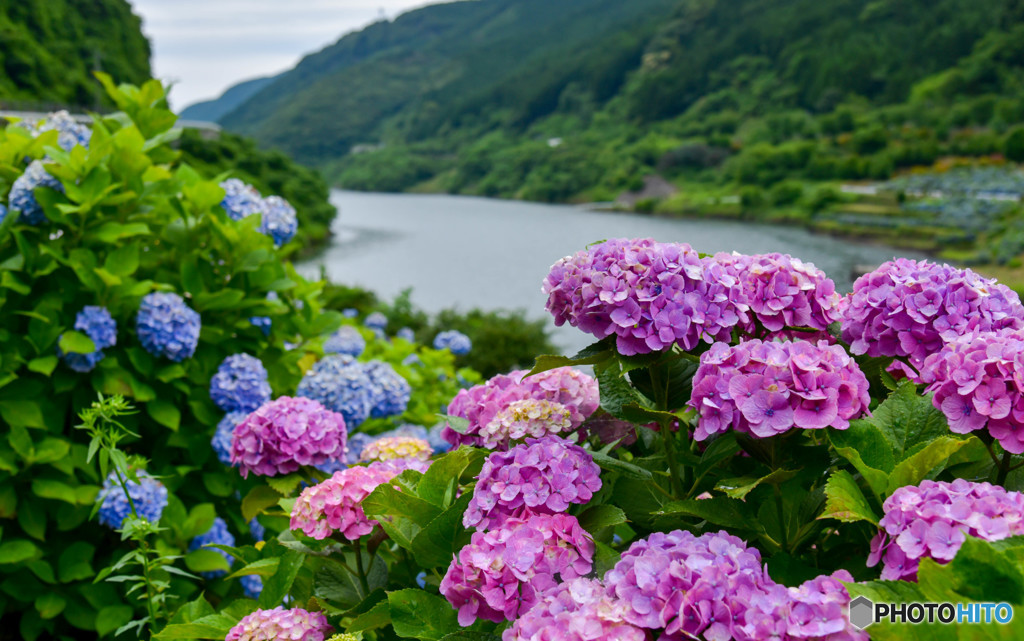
[782, 517]
[357, 544]
[1004, 468]
[150, 601]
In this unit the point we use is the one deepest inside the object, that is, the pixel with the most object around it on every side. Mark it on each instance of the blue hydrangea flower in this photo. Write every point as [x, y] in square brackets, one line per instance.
[391, 391]
[96, 323]
[3, 212]
[279, 221]
[412, 359]
[221, 442]
[256, 530]
[406, 334]
[454, 340]
[347, 340]
[23, 198]
[376, 320]
[421, 579]
[341, 384]
[252, 584]
[355, 445]
[262, 322]
[437, 441]
[350, 312]
[69, 131]
[330, 466]
[167, 326]
[217, 534]
[241, 200]
[148, 495]
[240, 384]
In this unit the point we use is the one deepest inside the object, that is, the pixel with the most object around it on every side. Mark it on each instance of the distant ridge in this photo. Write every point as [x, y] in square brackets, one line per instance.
[214, 110]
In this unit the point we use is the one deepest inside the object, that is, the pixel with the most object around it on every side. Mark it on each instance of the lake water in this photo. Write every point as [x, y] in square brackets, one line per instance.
[457, 251]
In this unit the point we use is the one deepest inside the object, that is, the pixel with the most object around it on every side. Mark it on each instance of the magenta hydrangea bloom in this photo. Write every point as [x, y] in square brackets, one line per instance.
[542, 476]
[933, 519]
[286, 434]
[577, 610]
[767, 388]
[480, 404]
[909, 309]
[528, 417]
[978, 385]
[334, 505]
[502, 573]
[715, 587]
[295, 624]
[780, 291]
[649, 295]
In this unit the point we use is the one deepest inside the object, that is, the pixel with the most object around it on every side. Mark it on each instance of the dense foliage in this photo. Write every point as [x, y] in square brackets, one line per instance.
[51, 49]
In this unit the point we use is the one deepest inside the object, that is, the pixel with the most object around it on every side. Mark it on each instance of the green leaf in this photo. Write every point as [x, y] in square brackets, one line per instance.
[223, 299]
[421, 615]
[601, 516]
[123, 261]
[111, 618]
[334, 583]
[17, 550]
[921, 465]
[165, 413]
[211, 626]
[546, 362]
[738, 488]
[442, 477]
[456, 423]
[285, 485]
[199, 521]
[979, 572]
[50, 605]
[43, 365]
[277, 586]
[622, 467]
[257, 500]
[72, 342]
[400, 514]
[376, 617]
[32, 519]
[908, 421]
[50, 489]
[435, 544]
[719, 510]
[112, 232]
[206, 560]
[845, 501]
[262, 567]
[75, 562]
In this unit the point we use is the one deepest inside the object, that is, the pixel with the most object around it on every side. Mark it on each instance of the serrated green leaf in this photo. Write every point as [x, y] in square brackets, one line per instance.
[165, 413]
[17, 550]
[718, 510]
[845, 501]
[434, 545]
[421, 615]
[72, 342]
[285, 485]
[926, 460]
[257, 500]
[624, 468]
[376, 617]
[738, 488]
[262, 567]
[205, 560]
[278, 585]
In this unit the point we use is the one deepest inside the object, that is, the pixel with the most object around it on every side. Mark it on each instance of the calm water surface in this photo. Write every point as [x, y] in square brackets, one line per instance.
[457, 251]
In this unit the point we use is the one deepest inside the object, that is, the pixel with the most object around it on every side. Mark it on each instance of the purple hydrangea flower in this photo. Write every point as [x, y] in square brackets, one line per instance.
[405, 333]
[269, 625]
[341, 384]
[285, 434]
[577, 610]
[543, 476]
[454, 341]
[167, 327]
[909, 309]
[347, 340]
[376, 320]
[978, 385]
[502, 573]
[69, 131]
[279, 220]
[932, 520]
[766, 388]
[96, 323]
[391, 392]
[218, 534]
[528, 417]
[240, 384]
[22, 197]
[221, 441]
[241, 200]
[149, 496]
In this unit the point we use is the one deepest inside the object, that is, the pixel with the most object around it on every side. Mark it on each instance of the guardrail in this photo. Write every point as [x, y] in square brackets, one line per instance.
[200, 125]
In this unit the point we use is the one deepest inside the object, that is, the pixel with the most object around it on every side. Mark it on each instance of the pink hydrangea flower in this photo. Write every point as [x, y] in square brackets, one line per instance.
[577, 610]
[396, 447]
[932, 520]
[295, 624]
[910, 309]
[528, 417]
[502, 573]
[286, 434]
[542, 476]
[480, 405]
[767, 388]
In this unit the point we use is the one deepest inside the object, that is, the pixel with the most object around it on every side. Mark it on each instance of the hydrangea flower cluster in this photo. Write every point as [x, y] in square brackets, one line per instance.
[240, 384]
[395, 447]
[221, 441]
[715, 587]
[256, 530]
[22, 197]
[454, 341]
[69, 132]
[977, 383]
[167, 326]
[295, 624]
[96, 323]
[218, 534]
[285, 434]
[148, 495]
[279, 221]
[932, 520]
[480, 404]
[391, 392]
[376, 320]
[3, 212]
[264, 323]
[334, 505]
[767, 388]
[649, 295]
[577, 610]
[252, 585]
[241, 200]
[542, 476]
[340, 383]
[503, 572]
[909, 309]
[528, 417]
[347, 340]
[405, 333]
[780, 291]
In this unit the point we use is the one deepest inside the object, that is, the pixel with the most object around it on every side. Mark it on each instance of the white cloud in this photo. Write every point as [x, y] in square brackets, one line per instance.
[205, 46]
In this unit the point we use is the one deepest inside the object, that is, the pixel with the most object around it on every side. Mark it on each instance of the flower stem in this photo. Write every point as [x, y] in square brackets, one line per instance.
[1004, 468]
[357, 544]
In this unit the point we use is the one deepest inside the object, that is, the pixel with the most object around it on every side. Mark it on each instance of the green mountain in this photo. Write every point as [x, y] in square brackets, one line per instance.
[214, 110]
[51, 47]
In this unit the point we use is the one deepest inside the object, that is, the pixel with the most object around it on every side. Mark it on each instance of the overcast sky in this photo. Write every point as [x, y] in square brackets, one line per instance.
[205, 46]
